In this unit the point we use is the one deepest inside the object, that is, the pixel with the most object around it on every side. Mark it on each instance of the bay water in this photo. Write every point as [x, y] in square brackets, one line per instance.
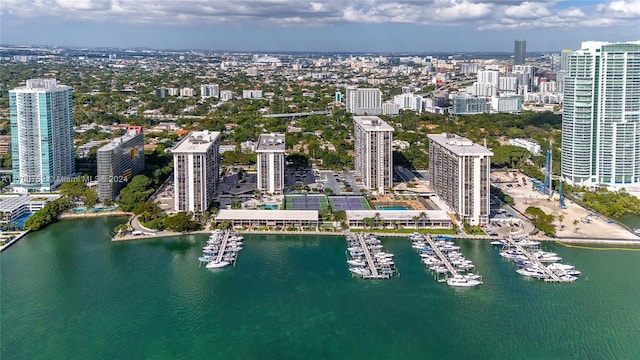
[67, 292]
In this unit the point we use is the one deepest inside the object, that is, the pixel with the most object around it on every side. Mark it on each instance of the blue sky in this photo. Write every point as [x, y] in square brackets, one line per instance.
[336, 25]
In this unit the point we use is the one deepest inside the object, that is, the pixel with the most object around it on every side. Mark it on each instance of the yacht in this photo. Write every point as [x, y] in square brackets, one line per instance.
[533, 272]
[216, 265]
[462, 281]
[356, 262]
[497, 243]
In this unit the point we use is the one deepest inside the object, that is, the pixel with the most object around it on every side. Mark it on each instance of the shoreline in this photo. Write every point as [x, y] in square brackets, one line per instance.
[595, 241]
[15, 240]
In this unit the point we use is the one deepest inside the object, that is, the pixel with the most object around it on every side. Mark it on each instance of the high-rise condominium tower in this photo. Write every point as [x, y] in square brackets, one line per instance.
[459, 171]
[601, 115]
[41, 135]
[271, 170]
[520, 52]
[196, 171]
[373, 152]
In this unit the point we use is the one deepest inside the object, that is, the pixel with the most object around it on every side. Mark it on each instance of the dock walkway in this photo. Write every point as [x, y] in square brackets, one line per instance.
[223, 246]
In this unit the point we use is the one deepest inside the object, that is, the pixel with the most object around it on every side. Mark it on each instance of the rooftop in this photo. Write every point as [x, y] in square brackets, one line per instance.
[398, 215]
[226, 214]
[273, 142]
[45, 84]
[115, 143]
[459, 145]
[196, 142]
[372, 123]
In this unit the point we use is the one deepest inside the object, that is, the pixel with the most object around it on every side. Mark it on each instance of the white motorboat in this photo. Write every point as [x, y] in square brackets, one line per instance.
[497, 243]
[216, 265]
[356, 262]
[528, 243]
[462, 281]
[533, 272]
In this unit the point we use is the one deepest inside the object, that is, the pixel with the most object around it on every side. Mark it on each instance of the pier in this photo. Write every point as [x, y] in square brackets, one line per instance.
[367, 255]
[367, 259]
[534, 259]
[444, 259]
[223, 246]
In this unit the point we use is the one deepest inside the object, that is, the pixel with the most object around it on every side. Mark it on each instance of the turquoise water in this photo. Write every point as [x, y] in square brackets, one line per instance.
[388, 207]
[269, 207]
[69, 293]
[79, 209]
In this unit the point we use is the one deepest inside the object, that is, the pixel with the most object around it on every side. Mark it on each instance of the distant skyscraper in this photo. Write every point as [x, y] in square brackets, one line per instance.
[520, 52]
[270, 149]
[119, 161]
[363, 101]
[601, 115]
[459, 171]
[196, 171]
[41, 135]
[373, 152]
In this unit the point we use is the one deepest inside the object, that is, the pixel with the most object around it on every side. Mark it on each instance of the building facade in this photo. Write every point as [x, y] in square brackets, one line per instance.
[119, 161]
[601, 116]
[209, 90]
[41, 116]
[363, 101]
[373, 153]
[459, 172]
[465, 105]
[271, 163]
[196, 171]
[520, 52]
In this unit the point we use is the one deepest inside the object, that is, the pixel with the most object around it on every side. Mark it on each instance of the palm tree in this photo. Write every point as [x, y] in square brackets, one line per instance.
[575, 223]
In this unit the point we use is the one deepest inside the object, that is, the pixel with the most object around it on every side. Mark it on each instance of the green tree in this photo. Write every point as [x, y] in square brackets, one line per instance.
[90, 197]
[181, 222]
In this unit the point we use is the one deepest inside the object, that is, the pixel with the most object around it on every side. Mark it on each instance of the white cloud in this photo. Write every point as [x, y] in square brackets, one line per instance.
[483, 14]
[622, 9]
[527, 10]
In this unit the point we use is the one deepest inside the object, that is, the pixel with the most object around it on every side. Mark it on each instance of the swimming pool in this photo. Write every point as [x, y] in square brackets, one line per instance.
[391, 207]
[269, 207]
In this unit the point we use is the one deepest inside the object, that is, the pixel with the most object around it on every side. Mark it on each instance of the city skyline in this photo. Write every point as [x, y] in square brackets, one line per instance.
[294, 25]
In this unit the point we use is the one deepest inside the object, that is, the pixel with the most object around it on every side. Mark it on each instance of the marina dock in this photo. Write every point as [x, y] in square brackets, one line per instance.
[221, 249]
[444, 259]
[534, 259]
[366, 258]
[367, 255]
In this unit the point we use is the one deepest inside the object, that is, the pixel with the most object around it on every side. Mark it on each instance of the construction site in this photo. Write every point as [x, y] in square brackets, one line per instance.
[571, 220]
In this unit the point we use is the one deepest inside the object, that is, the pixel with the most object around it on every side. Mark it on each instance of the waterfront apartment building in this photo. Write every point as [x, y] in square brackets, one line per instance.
[41, 117]
[119, 161]
[271, 166]
[373, 153]
[363, 101]
[459, 172]
[196, 171]
[209, 90]
[601, 116]
[520, 52]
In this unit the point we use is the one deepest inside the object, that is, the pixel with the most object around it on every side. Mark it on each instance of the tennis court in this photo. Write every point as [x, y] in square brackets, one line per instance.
[349, 203]
[305, 202]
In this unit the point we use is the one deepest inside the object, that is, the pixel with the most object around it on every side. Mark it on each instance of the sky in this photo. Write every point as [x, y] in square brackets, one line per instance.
[334, 25]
